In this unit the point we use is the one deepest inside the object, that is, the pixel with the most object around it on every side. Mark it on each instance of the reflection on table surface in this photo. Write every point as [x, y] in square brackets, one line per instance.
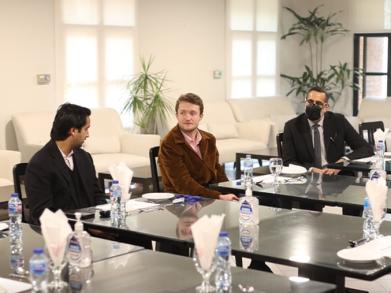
[334, 190]
[283, 236]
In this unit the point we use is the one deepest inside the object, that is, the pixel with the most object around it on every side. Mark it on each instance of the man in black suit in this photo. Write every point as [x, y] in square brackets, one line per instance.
[62, 175]
[318, 136]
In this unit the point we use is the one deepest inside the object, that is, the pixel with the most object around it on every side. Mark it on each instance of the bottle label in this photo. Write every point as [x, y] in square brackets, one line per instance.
[38, 268]
[74, 249]
[14, 208]
[246, 210]
[223, 251]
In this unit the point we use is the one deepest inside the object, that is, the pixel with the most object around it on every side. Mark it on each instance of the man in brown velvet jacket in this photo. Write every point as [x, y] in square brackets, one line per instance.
[188, 157]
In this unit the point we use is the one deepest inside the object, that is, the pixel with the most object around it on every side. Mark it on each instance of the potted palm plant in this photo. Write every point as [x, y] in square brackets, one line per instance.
[147, 99]
[313, 31]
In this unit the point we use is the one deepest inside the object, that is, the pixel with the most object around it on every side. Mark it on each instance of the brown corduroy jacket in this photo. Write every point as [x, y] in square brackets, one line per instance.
[183, 171]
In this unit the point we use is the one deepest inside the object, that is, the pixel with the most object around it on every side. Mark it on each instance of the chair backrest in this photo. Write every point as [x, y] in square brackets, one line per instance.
[366, 130]
[18, 173]
[153, 154]
[279, 140]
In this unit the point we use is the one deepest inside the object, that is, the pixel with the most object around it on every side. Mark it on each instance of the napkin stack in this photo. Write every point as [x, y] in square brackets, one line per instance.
[205, 234]
[294, 169]
[377, 194]
[124, 175]
[55, 231]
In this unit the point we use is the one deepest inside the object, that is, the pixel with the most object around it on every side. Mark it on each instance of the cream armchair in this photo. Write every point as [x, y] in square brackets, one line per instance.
[108, 142]
[8, 159]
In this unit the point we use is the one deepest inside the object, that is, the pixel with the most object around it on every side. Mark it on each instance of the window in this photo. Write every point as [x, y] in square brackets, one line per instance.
[95, 51]
[372, 55]
[252, 63]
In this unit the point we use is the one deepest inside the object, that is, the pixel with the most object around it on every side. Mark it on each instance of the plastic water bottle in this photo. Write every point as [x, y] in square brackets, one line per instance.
[248, 170]
[223, 277]
[39, 269]
[380, 148]
[15, 219]
[369, 231]
[115, 199]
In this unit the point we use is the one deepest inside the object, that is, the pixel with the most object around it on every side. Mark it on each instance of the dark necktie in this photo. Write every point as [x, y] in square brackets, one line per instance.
[317, 147]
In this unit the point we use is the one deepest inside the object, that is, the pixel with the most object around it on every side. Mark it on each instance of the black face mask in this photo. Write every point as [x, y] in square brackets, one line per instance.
[313, 112]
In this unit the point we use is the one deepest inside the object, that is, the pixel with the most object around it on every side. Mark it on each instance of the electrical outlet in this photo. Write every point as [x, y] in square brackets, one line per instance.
[43, 79]
[217, 74]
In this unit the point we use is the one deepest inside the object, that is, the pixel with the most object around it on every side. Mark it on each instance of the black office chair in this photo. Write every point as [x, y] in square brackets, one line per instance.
[279, 140]
[366, 130]
[18, 173]
[153, 154]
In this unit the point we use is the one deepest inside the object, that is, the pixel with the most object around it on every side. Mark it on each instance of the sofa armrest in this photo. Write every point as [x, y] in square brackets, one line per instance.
[138, 144]
[29, 150]
[257, 130]
[8, 159]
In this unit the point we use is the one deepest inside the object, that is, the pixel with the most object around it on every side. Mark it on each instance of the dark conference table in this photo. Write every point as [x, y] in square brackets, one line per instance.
[156, 272]
[102, 249]
[304, 239]
[120, 267]
[342, 191]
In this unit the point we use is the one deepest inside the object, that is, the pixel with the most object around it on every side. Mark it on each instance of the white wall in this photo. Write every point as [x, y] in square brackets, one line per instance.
[187, 39]
[356, 15]
[26, 38]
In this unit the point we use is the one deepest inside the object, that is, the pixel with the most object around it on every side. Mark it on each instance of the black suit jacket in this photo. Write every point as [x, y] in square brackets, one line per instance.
[297, 140]
[48, 181]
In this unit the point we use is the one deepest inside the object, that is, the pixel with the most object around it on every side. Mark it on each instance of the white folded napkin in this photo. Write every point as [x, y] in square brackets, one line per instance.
[131, 205]
[55, 230]
[269, 179]
[124, 175]
[293, 169]
[380, 135]
[377, 194]
[205, 234]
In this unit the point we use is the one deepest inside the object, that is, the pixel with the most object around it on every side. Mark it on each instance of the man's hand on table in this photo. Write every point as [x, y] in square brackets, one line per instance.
[229, 197]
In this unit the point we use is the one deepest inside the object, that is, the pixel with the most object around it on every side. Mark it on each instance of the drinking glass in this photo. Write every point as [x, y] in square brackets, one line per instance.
[275, 166]
[57, 264]
[205, 273]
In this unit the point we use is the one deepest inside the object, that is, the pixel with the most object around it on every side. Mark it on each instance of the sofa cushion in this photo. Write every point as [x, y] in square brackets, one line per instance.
[258, 108]
[229, 147]
[257, 130]
[102, 144]
[103, 161]
[279, 121]
[223, 130]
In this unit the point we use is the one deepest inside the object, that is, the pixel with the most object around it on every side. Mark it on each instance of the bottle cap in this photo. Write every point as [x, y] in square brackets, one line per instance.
[15, 194]
[223, 234]
[38, 250]
[115, 181]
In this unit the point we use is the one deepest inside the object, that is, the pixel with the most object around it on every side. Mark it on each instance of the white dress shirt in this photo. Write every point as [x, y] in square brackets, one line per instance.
[68, 159]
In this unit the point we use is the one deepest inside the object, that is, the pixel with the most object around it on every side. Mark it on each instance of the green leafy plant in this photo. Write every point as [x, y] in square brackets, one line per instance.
[147, 99]
[314, 30]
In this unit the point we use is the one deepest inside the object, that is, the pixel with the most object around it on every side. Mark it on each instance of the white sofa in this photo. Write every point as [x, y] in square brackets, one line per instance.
[244, 125]
[108, 143]
[8, 159]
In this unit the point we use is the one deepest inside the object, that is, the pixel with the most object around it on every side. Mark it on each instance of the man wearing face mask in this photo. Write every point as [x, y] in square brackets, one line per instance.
[318, 136]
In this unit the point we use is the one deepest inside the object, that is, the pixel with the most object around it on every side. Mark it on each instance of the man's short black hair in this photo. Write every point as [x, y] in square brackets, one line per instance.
[68, 116]
[319, 90]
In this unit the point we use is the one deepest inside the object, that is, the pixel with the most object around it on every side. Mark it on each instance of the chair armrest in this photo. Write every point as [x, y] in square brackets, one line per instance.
[8, 159]
[138, 144]
[257, 130]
